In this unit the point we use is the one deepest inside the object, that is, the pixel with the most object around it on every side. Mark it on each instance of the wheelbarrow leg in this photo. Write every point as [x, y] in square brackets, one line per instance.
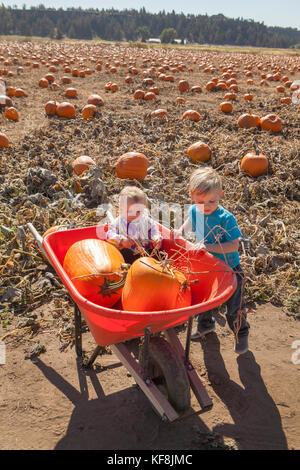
[93, 356]
[146, 352]
[78, 336]
[188, 341]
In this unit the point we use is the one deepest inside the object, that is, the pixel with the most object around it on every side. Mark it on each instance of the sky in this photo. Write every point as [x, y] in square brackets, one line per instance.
[272, 12]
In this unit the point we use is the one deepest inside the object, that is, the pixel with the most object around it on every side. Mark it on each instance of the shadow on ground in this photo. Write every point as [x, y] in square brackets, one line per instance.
[124, 420]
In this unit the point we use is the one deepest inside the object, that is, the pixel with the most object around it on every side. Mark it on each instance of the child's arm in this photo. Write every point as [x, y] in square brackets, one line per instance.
[186, 227]
[226, 247]
[155, 236]
[113, 236]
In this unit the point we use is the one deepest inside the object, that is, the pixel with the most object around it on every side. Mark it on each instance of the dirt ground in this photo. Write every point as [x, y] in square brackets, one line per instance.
[50, 402]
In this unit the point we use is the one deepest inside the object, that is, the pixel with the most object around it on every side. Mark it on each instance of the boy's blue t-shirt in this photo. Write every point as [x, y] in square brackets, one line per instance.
[220, 226]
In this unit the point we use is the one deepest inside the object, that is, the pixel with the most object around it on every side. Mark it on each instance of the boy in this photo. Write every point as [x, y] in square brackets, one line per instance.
[133, 227]
[217, 232]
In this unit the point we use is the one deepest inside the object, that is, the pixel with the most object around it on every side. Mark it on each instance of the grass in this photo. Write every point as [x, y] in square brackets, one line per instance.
[194, 47]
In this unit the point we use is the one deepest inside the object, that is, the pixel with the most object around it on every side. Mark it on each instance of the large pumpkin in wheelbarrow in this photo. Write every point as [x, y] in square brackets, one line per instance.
[153, 285]
[92, 264]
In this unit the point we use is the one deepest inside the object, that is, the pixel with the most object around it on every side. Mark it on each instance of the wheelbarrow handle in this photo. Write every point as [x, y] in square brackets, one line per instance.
[38, 238]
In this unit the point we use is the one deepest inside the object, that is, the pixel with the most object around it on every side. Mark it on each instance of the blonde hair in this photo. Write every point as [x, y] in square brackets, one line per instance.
[134, 194]
[204, 180]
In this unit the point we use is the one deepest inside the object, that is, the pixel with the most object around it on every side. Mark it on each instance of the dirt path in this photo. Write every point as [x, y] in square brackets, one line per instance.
[50, 403]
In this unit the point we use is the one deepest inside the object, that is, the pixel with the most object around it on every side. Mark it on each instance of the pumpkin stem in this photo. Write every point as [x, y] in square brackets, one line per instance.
[110, 287]
[255, 149]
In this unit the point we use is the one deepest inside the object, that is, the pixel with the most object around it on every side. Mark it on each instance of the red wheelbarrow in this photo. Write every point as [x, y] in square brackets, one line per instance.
[163, 369]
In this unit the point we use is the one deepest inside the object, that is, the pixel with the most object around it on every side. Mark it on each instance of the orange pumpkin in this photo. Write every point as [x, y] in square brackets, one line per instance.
[192, 115]
[50, 77]
[139, 94]
[55, 86]
[50, 108]
[160, 113]
[43, 83]
[248, 97]
[91, 262]
[149, 287]
[150, 96]
[66, 110]
[286, 100]
[19, 92]
[71, 92]
[255, 163]
[66, 79]
[210, 86]
[132, 165]
[247, 120]
[11, 114]
[226, 107]
[95, 99]
[221, 85]
[11, 91]
[55, 228]
[148, 81]
[196, 89]
[4, 142]
[233, 87]
[183, 85]
[154, 89]
[199, 151]
[230, 96]
[271, 122]
[82, 163]
[88, 111]
[114, 87]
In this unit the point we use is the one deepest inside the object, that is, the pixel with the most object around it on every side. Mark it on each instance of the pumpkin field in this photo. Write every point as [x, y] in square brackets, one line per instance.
[171, 110]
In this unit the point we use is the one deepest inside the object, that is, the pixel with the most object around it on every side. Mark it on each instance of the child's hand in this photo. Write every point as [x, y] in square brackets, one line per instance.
[125, 243]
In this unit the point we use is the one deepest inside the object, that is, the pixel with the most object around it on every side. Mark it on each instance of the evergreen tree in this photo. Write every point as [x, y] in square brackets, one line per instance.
[72, 33]
[168, 35]
[143, 32]
[131, 24]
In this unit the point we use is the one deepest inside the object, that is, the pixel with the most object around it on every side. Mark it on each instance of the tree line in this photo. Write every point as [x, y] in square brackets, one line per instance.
[133, 25]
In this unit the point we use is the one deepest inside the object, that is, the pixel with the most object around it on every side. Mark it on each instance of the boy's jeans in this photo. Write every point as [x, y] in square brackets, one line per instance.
[233, 305]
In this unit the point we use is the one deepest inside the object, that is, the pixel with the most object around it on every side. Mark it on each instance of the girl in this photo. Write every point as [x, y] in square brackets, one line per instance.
[133, 227]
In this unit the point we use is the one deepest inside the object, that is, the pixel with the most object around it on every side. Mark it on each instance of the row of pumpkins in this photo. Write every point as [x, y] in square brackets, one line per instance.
[134, 165]
[270, 122]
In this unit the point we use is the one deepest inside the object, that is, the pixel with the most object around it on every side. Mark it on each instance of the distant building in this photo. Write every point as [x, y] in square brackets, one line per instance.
[154, 41]
[180, 41]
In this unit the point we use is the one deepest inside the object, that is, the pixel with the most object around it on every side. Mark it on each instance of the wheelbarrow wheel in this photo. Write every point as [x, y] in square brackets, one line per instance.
[168, 373]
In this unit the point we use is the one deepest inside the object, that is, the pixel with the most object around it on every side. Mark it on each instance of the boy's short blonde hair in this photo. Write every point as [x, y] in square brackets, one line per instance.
[134, 194]
[204, 180]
